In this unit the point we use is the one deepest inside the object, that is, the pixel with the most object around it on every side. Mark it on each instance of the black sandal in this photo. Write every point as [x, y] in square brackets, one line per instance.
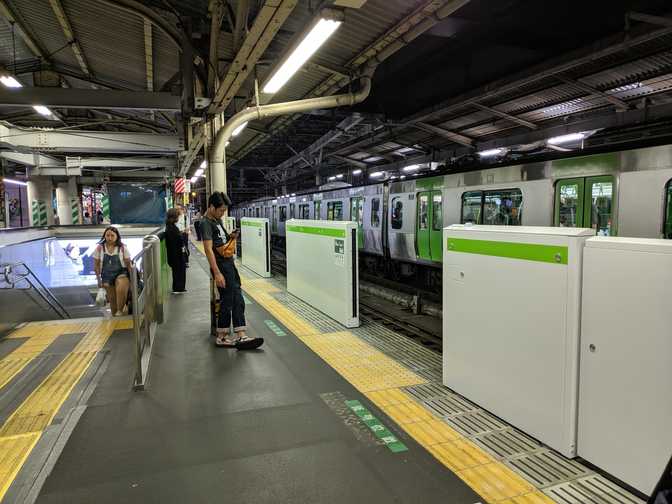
[247, 343]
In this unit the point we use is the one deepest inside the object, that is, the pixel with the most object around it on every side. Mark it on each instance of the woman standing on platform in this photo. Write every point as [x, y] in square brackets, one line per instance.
[175, 251]
[111, 263]
[219, 248]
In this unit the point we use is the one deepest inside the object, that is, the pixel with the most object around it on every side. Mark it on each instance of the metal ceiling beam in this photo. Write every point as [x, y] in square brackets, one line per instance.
[63, 20]
[195, 146]
[30, 159]
[648, 18]
[168, 163]
[146, 174]
[504, 115]
[32, 44]
[270, 18]
[216, 9]
[450, 135]
[240, 23]
[354, 162]
[89, 98]
[620, 104]
[149, 55]
[26, 140]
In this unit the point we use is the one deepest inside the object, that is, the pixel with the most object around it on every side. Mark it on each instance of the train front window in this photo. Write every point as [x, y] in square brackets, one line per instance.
[397, 219]
[437, 212]
[502, 208]
[375, 212]
[667, 229]
[471, 207]
[283, 213]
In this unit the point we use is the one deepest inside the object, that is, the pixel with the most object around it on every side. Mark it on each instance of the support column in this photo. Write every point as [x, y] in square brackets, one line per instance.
[69, 211]
[39, 201]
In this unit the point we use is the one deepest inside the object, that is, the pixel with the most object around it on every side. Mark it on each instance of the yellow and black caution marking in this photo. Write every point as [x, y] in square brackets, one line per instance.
[24, 427]
[381, 379]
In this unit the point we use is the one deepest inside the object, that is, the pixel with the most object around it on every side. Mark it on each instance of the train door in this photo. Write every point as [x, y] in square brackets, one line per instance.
[585, 202]
[274, 219]
[429, 226]
[357, 215]
[317, 205]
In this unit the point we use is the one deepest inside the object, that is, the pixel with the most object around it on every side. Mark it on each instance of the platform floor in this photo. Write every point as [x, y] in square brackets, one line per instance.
[319, 414]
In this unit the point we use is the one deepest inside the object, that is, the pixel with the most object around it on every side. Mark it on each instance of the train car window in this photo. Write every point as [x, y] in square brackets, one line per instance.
[283, 213]
[437, 212]
[335, 210]
[502, 208]
[600, 206]
[667, 230]
[304, 212]
[397, 213]
[257, 212]
[292, 210]
[423, 211]
[316, 207]
[472, 202]
[375, 212]
[274, 220]
[266, 212]
[244, 212]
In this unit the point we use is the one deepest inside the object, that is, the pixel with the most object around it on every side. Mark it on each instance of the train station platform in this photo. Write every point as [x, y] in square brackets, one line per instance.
[318, 414]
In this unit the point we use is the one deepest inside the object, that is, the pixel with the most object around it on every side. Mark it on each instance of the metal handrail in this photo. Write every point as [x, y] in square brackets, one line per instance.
[49, 298]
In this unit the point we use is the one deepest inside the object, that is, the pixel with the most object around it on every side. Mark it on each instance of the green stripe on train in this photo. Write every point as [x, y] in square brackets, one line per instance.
[336, 233]
[555, 254]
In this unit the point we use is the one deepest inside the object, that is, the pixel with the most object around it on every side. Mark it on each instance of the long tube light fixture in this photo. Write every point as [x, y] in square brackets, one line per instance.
[571, 137]
[315, 38]
[10, 181]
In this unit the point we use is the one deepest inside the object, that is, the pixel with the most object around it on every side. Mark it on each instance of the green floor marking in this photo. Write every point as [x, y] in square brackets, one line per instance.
[246, 299]
[275, 328]
[376, 426]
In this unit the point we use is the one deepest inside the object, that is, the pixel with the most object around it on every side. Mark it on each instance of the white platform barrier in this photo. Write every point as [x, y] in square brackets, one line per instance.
[322, 267]
[625, 403]
[255, 238]
[511, 309]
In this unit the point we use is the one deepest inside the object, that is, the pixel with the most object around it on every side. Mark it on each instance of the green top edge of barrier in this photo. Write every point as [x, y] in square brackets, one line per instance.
[251, 224]
[337, 233]
[555, 254]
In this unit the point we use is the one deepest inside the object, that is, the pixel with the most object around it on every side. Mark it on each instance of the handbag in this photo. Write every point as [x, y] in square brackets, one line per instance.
[100, 297]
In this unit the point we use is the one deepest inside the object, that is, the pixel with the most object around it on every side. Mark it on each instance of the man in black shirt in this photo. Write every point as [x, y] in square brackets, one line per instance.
[218, 245]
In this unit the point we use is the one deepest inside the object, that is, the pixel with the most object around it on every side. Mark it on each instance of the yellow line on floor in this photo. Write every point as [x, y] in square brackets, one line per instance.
[381, 379]
[23, 428]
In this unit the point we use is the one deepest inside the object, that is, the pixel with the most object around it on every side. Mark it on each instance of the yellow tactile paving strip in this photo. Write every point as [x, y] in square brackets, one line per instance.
[22, 430]
[381, 379]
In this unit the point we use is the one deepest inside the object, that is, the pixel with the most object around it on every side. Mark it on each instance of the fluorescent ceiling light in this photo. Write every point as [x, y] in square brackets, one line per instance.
[571, 137]
[491, 152]
[239, 129]
[204, 164]
[199, 173]
[331, 178]
[10, 181]
[356, 172]
[402, 177]
[42, 110]
[194, 179]
[340, 175]
[10, 81]
[311, 43]
[412, 167]
[376, 174]
[293, 194]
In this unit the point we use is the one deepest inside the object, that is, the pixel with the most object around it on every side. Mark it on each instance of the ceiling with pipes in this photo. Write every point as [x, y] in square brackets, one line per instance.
[452, 78]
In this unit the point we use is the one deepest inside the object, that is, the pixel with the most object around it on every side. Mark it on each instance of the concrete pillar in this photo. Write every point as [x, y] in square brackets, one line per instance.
[39, 201]
[67, 200]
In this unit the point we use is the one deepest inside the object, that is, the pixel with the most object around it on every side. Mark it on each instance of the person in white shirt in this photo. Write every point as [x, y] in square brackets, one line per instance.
[112, 262]
[183, 225]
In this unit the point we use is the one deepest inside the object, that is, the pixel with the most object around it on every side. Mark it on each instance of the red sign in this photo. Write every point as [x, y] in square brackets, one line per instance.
[180, 185]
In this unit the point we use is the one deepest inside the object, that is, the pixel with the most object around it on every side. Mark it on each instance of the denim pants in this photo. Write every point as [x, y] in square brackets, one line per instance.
[231, 302]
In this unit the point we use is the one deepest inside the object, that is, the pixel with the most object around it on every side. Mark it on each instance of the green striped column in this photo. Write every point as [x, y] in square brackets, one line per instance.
[39, 212]
[74, 207]
[106, 207]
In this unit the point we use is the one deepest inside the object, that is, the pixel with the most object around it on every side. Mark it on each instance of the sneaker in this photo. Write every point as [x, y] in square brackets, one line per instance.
[119, 314]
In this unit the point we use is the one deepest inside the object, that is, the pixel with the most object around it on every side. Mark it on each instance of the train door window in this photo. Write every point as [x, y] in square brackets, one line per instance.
[422, 227]
[585, 202]
[244, 212]
[375, 212]
[667, 226]
[357, 215]
[472, 202]
[502, 208]
[257, 212]
[304, 212]
[423, 211]
[316, 207]
[266, 210]
[292, 210]
[283, 213]
[397, 209]
[274, 220]
[437, 212]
